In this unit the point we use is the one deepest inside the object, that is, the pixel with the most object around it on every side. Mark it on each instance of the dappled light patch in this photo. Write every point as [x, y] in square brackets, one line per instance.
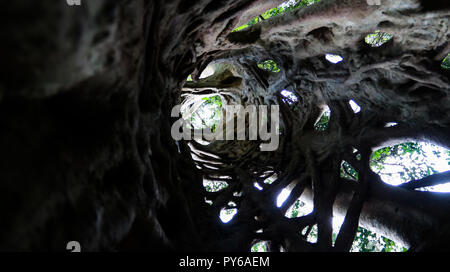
[333, 58]
[322, 123]
[378, 38]
[269, 65]
[446, 62]
[410, 161]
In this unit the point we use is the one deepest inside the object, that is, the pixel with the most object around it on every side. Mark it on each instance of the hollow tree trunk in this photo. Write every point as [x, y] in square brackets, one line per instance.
[85, 98]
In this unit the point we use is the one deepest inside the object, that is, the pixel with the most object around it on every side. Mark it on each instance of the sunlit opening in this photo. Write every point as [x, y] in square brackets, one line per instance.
[364, 241]
[207, 201]
[348, 172]
[282, 197]
[355, 107]
[227, 214]
[203, 112]
[208, 71]
[391, 124]
[262, 246]
[299, 208]
[333, 58]
[270, 179]
[378, 38]
[290, 96]
[269, 65]
[411, 161]
[214, 186]
[322, 122]
[257, 186]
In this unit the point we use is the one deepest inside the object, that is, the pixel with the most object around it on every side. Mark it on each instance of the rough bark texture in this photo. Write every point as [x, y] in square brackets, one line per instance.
[85, 99]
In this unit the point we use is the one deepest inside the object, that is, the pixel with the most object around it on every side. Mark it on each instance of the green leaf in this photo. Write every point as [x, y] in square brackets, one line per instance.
[269, 65]
[378, 38]
[446, 62]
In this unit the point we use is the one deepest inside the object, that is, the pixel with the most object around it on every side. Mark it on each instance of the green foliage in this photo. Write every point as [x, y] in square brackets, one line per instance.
[446, 62]
[391, 162]
[213, 100]
[270, 180]
[281, 9]
[214, 186]
[367, 241]
[312, 235]
[251, 22]
[364, 241]
[410, 160]
[189, 78]
[378, 38]
[322, 123]
[296, 210]
[348, 172]
[260, 247]
[269, 65]
[208, 114]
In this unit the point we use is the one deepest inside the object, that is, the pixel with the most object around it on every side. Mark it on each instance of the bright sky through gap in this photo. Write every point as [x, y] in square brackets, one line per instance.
[391, 124]
[289, 95]
[433, 155]
[307, 208]
[333, 58]
[282, 197]
[355, 107]
[257, 186]
[227, 214]
[287, 3]
[209, 71]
